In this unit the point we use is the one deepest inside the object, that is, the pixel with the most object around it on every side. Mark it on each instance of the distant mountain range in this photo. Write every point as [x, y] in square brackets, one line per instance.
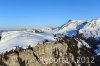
[72, 40]
[26, 37]
[89, 29]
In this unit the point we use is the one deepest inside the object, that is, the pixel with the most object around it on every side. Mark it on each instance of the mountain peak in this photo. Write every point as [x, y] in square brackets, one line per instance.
[71, 26]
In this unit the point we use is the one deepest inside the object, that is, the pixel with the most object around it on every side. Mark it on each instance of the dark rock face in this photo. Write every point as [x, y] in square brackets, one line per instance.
[0, 37]
[64, 52]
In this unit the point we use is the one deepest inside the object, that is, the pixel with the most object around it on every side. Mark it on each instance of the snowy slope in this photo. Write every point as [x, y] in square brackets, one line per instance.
[89, 29]
[12, 39]
[70, 27]
[92, 29]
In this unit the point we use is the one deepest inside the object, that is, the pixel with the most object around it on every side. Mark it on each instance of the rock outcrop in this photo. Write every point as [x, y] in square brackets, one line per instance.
[63, 53]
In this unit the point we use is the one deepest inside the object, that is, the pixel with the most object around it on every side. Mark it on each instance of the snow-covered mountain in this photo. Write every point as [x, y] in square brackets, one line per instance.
[88, 28]
[92, 29]
[24, 38]
[13, 39]
[71, 27]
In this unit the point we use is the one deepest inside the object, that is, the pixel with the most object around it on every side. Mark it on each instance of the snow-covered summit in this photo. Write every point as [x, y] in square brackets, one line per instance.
[24, 38]
[71, 26]
[12, 39]
[92, 29]
[94, 24]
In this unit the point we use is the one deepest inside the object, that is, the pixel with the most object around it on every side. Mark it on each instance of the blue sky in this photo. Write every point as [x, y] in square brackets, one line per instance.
[42, 13]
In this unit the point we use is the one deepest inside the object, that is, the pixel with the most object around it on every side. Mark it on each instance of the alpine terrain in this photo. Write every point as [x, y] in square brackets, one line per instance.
[75, 43]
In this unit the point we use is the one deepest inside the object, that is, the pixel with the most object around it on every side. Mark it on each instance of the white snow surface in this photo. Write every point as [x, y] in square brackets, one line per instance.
[70, 27]
[12, 39]
[82, 43]
[92, 29]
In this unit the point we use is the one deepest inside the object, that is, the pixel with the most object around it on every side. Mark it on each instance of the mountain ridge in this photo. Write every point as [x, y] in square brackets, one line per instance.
[23, 38]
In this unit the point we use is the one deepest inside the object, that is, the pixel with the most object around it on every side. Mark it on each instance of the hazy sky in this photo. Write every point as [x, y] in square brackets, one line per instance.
[41, 13]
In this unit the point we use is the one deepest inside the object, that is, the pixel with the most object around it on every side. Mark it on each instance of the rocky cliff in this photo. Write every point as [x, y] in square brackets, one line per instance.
[64, 52]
